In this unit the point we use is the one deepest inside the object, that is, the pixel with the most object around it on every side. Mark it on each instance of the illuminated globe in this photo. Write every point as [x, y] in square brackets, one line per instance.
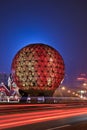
[38, 68]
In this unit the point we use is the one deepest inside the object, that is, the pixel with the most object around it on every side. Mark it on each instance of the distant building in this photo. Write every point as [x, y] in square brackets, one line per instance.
[4, 78]
[82, 78]
[8, 95]
[4, 92]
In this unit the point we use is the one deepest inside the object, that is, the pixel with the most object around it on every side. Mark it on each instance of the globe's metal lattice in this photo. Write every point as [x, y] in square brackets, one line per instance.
[38, 66]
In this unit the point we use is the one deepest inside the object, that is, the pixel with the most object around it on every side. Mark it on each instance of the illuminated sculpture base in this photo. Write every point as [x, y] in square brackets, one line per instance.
[38, 92]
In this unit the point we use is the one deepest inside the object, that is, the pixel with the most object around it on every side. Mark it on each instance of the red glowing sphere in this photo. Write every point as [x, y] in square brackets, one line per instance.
[38, 67]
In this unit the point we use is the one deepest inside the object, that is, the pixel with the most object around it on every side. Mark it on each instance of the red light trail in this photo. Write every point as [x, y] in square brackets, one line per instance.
[13, 120]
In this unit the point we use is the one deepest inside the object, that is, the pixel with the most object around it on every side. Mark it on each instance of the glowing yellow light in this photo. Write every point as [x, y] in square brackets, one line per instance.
[69, 91]
[73, 93]
[63, 88]
[84, 84]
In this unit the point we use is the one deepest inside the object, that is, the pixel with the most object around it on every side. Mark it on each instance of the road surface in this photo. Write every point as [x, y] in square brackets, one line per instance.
[43, 117]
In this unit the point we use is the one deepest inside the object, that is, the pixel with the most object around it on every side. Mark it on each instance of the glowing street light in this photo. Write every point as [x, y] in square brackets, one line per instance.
[73, 93]
[84, 84]
[69, 91]
[63, 88]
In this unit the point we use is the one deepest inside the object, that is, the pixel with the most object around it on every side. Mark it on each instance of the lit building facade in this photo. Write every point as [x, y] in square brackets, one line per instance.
[38, 68]
[4, 92]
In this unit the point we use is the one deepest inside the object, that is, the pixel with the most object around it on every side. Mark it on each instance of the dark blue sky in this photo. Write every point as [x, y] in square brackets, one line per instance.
[59, 23]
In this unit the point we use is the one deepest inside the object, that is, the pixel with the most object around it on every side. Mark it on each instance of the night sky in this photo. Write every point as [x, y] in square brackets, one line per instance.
[59, 23]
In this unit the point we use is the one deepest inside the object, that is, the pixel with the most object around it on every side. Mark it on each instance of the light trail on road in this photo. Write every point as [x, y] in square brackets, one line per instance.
[19, 119]
[16, 108]
[24, 105]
